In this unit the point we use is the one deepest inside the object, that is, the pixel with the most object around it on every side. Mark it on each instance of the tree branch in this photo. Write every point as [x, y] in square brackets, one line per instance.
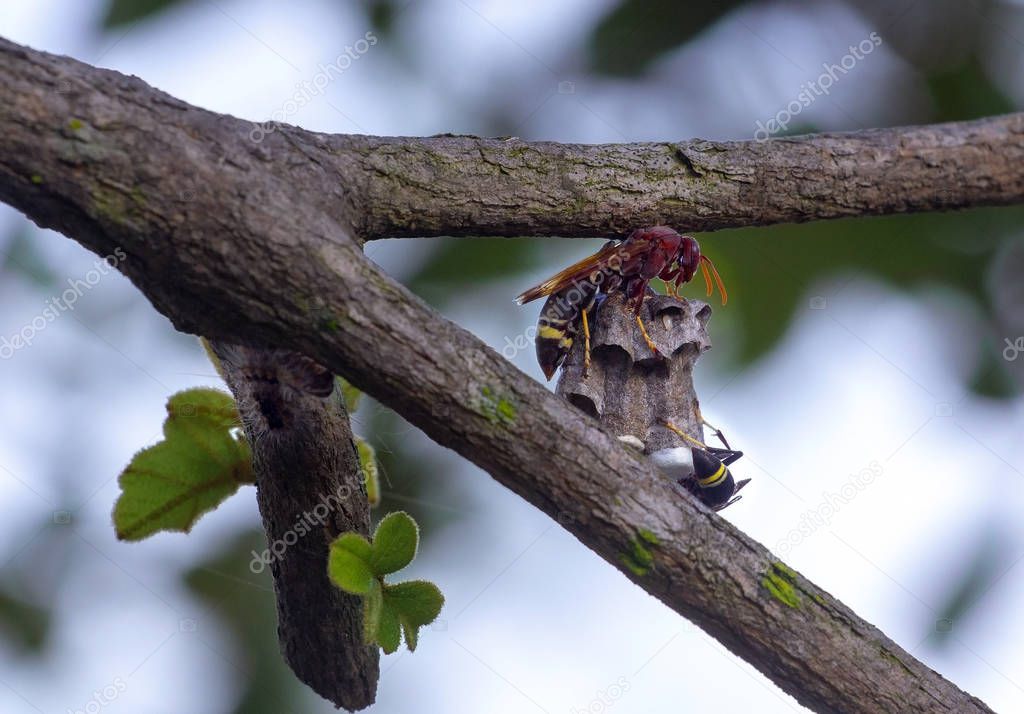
[461, 185]
[256, 243]
[309, 486]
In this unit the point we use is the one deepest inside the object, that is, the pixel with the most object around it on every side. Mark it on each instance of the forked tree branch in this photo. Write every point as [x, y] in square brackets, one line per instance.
[260, 243]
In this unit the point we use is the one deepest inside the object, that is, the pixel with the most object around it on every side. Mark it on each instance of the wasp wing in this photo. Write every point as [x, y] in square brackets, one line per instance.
[604, 259]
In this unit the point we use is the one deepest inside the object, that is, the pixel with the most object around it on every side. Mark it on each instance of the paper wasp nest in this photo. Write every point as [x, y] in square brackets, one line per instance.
[628, 388]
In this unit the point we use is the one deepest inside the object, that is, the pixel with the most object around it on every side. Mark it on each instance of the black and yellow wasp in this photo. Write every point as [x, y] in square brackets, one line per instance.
[701, 469]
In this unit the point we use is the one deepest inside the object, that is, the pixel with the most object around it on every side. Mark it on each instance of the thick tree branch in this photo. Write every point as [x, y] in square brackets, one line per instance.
[255, 243]
[459, 185]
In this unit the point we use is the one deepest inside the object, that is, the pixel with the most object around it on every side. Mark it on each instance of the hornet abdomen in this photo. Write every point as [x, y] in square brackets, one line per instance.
[559, 322]
[712, 482]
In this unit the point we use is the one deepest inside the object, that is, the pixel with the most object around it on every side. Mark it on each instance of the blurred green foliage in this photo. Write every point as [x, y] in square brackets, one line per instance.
[23, 258]
[770, 270]
[457, 263]
[126, 12]
[381, 14]
[992, 555]
[965, 92]
[244, 606]
[635, 33]
[25, 625]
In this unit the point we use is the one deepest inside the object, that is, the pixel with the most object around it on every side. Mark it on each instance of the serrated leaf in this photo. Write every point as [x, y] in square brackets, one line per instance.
[350, 394]
[416, 603]
[394, 543]
[201, 461]
[371, 472]
[411, 634]
[348, 564]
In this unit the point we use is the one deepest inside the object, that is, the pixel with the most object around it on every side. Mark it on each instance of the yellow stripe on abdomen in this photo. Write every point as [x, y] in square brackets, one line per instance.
[714, 479]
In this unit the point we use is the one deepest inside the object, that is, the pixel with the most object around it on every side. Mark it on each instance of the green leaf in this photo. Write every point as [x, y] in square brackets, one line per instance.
[201, 461]
[394, 543]
[373, 605]
[355, 544]
[416, 603]
[419, 601]
[349, 564]
[411, 634]
[350, 394]
[388, 632]
[200, 405]
[371, 472]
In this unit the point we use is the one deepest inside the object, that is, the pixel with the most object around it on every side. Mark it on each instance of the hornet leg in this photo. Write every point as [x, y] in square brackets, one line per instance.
[635, 294]
[727, 455]
[586, 345]
[686, 437]
[647, 338]
[668, 277]
[714, 429]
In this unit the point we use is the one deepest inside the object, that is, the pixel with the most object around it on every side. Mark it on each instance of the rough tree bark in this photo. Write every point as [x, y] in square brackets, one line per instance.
[308, 483]
[260, 242]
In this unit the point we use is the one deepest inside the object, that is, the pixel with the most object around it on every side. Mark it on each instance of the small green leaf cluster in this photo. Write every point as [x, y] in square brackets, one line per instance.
[358, 566]
[202, 460]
